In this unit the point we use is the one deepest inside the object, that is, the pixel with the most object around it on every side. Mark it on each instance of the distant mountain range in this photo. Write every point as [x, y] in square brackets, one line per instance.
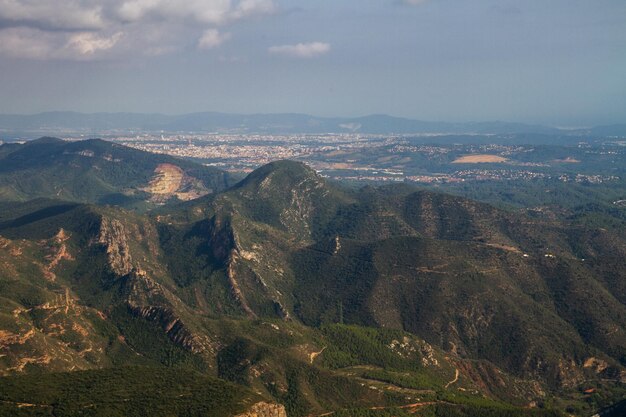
[270, 124]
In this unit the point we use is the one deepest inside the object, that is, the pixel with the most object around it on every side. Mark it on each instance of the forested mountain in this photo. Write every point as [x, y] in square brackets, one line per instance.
[305, 294]
[95, 171]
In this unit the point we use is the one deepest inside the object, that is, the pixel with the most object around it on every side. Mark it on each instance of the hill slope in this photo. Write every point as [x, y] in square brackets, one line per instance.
[321, 298]
[133, 391]
[95, 171]
[467, 277]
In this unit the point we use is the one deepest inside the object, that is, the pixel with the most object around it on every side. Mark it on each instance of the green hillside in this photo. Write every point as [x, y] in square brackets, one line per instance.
[95, 171]
[134, 391]
[320, 298]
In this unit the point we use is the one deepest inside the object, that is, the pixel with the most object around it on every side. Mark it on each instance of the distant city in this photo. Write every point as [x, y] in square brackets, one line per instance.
[421, 158]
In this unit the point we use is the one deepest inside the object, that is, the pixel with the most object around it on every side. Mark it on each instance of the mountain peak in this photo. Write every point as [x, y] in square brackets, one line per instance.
[45, 140]
[286, 165]
[284, 172]
[285, 194]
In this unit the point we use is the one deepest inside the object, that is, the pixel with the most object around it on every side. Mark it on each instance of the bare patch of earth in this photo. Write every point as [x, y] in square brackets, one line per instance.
[479, 159]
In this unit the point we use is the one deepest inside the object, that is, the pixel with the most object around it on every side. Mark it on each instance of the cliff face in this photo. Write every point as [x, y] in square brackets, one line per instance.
[143, 294]
[113, 238]
[264, 409]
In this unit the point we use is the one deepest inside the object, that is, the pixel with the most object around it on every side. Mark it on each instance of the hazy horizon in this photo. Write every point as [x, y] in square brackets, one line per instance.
[336, 116]
[558, 63]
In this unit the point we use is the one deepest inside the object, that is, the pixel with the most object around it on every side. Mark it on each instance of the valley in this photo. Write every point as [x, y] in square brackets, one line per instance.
[564, 168]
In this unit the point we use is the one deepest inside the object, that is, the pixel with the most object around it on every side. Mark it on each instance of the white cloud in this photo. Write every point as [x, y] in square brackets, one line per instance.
[31, 43]
[301, 50]
[91, 29]
[50, 14]
[87, 43]
[251, 8]
[204, 11]
[212, 38]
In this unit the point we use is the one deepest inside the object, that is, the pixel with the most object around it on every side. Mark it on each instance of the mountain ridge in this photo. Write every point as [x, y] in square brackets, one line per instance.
[97, 171]
[257, 123]
[319, 297]
[460, 221]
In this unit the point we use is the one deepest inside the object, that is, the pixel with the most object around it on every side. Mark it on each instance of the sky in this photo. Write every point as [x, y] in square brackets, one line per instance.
[555, 62]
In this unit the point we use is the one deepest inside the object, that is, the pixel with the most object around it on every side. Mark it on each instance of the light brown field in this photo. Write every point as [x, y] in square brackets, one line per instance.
[335, 153]
[479, 159]
[340, 165]
[504, 247]
[167, 179]
[568, 160]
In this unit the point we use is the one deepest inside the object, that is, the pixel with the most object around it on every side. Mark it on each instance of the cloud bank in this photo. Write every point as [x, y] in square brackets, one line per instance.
[92, 29]
[52, 15]
[30, 43]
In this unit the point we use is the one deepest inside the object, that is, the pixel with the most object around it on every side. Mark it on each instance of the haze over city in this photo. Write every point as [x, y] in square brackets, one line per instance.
[559, 63]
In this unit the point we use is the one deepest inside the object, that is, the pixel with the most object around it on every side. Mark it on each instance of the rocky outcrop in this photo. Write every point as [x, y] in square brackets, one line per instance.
[568, 373]
[225, 246]
[234, 285]
[151, 301]
[4, 242]
[113, 237]
[597, 365]
[58, 252]
[264, 409]
[173, 326]
[170, 180]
